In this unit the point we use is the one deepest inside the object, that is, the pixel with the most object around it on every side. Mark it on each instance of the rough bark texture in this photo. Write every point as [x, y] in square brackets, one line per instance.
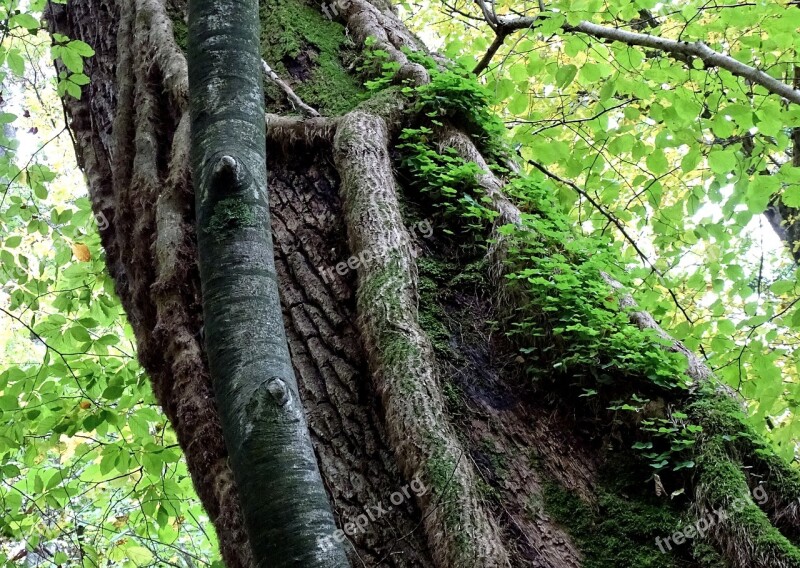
[398, 372]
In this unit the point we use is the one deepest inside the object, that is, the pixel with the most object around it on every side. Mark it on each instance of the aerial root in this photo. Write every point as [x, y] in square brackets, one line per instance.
[459, 528]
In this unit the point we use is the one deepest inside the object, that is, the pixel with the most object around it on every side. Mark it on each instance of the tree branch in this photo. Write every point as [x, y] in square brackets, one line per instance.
[697, 49]
[504, 25]
[487, 58]
[290, 94]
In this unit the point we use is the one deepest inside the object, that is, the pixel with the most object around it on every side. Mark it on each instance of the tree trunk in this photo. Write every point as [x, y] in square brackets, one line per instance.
[287, 513]
[434, 447]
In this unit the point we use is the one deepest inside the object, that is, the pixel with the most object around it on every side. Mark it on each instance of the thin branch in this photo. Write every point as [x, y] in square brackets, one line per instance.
[618, 224]
[487, 57]
[680, 49]
[502, 26]
[556, 122]
[697, 49]
[611, 218]
[290, 94]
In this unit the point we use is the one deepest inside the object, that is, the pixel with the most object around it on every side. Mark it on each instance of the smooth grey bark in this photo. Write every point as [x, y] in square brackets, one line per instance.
[286, 510]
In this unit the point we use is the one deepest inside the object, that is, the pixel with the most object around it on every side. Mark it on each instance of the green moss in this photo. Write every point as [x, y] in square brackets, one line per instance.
[723, 420]
[441, 469]
[453, 396]
[296, 32]
[719, 414]
[621, 528]
[437, 277]
[381, 279]
[431, 316]
[179, 27]
[706, 555]
[230, 214]
[389, 102]
[397, 351]
[621, 532]
[496, 459]
[472, 275]
[431, 313]
[723, 486]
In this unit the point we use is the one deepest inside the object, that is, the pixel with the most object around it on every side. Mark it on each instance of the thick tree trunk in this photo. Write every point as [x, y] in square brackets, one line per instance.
[406, 389]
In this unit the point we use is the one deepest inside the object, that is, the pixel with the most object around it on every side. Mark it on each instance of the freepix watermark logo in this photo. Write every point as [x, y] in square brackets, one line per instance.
[331, 9]
[374, 512]
[705, 523]
[423, 228]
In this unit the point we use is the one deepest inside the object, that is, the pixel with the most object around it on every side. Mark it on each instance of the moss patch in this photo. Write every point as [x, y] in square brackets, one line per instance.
[725, 423]
[621, 529]
[230, 214]
[441, 469]
[431, 313]
[176, 13]
[310, 52]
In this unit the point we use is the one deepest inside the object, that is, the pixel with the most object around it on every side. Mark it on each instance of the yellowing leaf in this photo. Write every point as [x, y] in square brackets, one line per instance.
[81, 252]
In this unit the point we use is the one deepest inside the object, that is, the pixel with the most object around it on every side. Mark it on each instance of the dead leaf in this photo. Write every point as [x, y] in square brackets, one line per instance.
[81, 252]
[660, 490]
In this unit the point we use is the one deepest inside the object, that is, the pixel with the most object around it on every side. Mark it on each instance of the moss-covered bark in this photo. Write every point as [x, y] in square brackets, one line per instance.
[400, 372]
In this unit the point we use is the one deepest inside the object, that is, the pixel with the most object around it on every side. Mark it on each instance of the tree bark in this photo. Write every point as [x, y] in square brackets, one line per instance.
[288, 518]
[403, 382]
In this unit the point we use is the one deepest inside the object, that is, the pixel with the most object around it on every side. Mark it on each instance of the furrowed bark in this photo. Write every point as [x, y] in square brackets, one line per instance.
[286, 510]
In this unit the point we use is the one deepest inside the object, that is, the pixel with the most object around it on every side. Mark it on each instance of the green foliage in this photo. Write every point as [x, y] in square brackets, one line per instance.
[71, 53]
[377, 64]
[684, 159]
[669, 441]
[571, 311]
[451, 95]
[89, 468]
[570, 321]
[448, 180]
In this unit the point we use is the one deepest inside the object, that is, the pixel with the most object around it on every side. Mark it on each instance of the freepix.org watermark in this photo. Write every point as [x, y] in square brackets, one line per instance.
[331, 9]
[705, 523]
[424, 228]
[374, 512]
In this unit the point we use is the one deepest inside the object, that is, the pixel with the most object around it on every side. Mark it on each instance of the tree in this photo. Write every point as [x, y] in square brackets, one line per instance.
[287, 514]
[507, 448]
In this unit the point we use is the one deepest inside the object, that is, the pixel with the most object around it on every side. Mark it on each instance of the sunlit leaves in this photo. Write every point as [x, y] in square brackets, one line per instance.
[686, 157]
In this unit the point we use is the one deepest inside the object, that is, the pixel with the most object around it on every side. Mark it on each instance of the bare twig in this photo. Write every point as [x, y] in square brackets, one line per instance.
[290, 94]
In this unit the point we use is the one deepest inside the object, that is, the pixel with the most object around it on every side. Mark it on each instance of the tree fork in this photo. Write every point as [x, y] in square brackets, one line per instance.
[286, 509]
